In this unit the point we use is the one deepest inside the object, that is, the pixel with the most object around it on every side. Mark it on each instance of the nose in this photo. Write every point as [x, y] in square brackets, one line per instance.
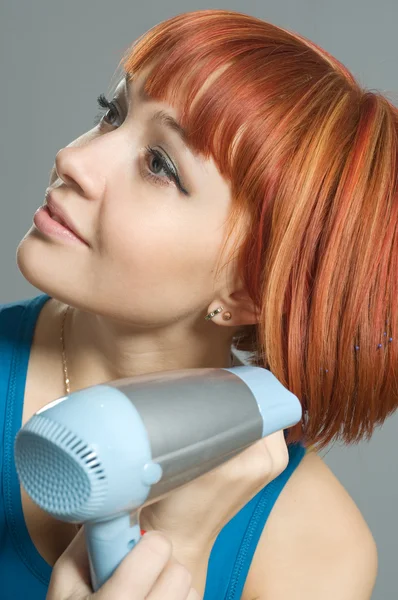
[74, 167]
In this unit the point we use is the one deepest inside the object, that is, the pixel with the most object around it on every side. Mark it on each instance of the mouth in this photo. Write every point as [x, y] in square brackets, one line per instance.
[59, 215]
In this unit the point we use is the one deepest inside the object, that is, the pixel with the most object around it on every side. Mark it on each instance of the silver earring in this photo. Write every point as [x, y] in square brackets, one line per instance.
[210, 315]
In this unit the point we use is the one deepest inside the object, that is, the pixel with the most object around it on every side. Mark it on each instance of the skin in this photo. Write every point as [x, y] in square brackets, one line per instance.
[142, 286]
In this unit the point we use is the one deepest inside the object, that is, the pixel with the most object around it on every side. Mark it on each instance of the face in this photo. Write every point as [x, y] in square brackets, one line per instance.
[153, 240]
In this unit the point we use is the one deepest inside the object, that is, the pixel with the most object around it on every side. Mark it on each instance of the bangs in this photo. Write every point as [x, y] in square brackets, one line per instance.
[201, 97]
[207, 68]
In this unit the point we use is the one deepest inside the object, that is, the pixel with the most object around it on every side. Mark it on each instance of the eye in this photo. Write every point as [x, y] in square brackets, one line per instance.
[113, 110]
[152, 157]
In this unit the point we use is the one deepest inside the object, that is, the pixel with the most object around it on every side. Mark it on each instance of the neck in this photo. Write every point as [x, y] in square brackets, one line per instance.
[99, 349]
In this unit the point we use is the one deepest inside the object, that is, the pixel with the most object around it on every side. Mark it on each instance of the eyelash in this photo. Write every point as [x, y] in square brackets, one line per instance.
[172, 174]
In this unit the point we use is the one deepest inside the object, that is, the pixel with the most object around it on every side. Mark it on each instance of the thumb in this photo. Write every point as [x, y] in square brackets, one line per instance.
[70, 578]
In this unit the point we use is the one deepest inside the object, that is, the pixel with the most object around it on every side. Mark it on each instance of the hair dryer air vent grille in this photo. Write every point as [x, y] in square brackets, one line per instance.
[72, 483]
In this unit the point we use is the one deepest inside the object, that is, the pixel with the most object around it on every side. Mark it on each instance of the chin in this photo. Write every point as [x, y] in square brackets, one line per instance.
[41, 265]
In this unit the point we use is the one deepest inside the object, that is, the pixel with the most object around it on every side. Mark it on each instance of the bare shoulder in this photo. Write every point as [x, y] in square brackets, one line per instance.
[315, 543]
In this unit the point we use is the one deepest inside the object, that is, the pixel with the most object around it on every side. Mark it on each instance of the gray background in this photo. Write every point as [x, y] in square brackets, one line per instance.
[57, 57]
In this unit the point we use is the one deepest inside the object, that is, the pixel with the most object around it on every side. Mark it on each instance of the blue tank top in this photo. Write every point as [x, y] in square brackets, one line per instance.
[23, 571]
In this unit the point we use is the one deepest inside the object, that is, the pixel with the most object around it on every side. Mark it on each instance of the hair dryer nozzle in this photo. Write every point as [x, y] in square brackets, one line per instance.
[71, 475]
[86, 456]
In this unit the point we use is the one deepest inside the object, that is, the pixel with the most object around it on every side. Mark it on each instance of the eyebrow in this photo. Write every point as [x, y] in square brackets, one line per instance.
[163, 118]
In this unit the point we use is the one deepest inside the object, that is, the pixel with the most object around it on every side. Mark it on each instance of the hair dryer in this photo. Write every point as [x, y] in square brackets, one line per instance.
[99, 455]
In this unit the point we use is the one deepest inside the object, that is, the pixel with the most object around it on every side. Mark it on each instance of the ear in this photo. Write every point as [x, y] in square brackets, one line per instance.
[239, 304]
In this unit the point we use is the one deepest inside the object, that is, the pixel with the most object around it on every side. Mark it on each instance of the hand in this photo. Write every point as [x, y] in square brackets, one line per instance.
[193, 515]
[149, 572]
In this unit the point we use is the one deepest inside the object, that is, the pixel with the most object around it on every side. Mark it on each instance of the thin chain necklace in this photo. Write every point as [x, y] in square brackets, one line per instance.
[66, 377]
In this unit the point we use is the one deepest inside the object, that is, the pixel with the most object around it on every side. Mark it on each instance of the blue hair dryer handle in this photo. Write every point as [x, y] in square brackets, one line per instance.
[108, 543]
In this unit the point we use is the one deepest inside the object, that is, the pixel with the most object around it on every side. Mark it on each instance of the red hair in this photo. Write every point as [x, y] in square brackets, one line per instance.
[312, 161]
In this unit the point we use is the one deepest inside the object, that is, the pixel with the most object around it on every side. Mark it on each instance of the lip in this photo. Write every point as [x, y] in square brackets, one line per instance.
[58, 211]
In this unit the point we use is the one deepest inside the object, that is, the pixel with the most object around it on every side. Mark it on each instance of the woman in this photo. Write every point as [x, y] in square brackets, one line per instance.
[262, 218]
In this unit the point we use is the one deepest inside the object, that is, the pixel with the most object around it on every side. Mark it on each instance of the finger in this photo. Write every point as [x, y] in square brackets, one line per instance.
[174, 583]
[276, 446]
[71, 573]
[139, 570]
[194, 595]
[260, 462]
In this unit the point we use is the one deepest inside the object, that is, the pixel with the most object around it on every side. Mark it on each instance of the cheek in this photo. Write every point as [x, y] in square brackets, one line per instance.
[160, 248]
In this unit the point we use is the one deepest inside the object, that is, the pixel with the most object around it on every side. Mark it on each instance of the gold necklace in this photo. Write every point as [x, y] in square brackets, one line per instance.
[66, 377]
